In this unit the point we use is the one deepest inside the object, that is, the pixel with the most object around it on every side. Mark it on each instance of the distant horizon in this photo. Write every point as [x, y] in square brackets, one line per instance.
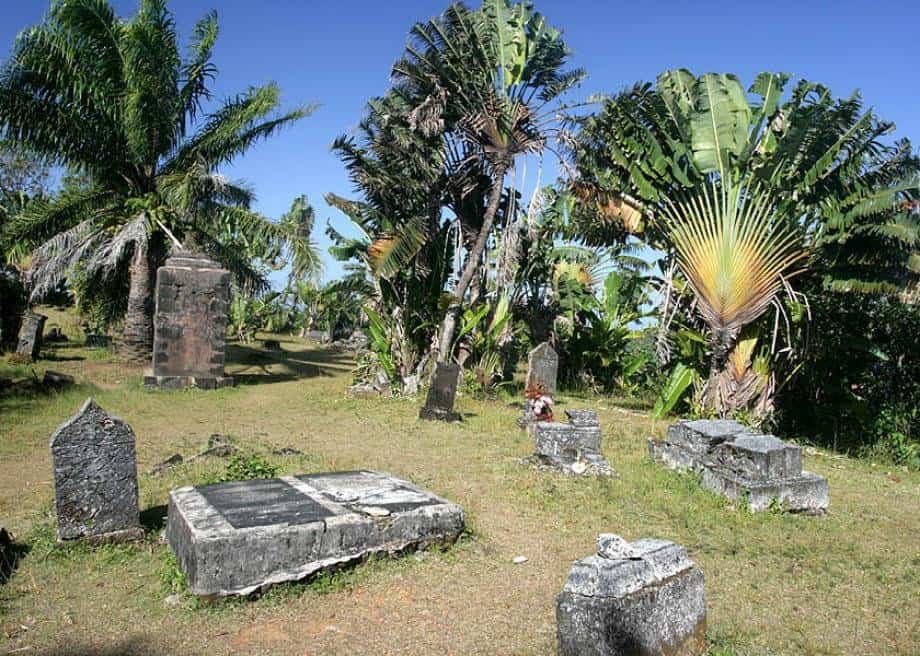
[339, 59]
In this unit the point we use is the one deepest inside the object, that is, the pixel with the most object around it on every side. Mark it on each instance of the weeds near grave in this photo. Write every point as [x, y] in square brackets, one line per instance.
[245, 467]
[171, 575]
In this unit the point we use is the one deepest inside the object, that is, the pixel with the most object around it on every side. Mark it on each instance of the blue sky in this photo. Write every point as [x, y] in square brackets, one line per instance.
[338, 54]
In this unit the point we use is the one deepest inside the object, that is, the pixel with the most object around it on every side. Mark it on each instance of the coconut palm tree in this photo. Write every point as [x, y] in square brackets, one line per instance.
[115, 100]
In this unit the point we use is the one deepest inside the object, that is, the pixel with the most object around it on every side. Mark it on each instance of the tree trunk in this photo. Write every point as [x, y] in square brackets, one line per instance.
[449, 324]
[722, 342]
[137, 334]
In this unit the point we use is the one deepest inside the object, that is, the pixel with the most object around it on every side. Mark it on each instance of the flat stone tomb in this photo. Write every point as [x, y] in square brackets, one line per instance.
[644, 598]
[190, 324]
[239, 537]
[757, 469]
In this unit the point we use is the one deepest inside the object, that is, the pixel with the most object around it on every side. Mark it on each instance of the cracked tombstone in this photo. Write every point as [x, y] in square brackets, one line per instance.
[439, 405]
[573, 447]
[241, 537]
[190, 324]
[30, 336]
[644, 598]
[95, 477]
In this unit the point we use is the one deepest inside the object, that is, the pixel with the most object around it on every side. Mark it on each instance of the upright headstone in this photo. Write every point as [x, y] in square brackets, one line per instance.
[95, 477]
[190, 324]
[441, 394]
[542, 369]
[30, 335]
[644, 598]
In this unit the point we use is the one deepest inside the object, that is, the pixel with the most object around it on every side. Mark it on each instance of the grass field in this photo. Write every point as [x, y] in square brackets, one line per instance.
[776, 584]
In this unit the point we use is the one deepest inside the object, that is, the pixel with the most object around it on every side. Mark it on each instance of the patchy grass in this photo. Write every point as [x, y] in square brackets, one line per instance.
[776, 584]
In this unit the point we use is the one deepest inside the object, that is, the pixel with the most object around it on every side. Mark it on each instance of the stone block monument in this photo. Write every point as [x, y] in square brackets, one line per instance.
[190, 324]
[644, 598]
[95, 477]
[439, 405]
[573, 447]
[30, 336]
[756, 469]
[237, 538]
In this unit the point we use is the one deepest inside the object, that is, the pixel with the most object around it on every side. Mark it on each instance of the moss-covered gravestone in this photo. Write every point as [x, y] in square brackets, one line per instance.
[95, 477]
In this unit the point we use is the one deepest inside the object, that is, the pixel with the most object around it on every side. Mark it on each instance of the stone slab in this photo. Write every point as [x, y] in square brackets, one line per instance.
[30, 335]
[95, 477]
[640, 599]
[236, 538]
[806, 493]
[700, 435]
[573, 447]
[758, 457]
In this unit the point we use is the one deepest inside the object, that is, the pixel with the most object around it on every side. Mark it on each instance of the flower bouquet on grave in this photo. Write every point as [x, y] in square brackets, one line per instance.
[539, 404]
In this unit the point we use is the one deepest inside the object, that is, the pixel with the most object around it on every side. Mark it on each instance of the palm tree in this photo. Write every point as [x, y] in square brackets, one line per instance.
[115, 100]
[483, 82]
[742, 192]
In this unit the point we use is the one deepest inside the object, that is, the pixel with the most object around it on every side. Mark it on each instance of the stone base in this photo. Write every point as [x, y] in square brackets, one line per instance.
[647, 603]
[125, 535]
[594, 466]
[807, 493]
[182, 382]
[438, 414]
[237, 538]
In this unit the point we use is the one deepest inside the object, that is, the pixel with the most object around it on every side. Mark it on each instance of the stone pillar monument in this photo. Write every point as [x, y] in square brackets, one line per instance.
[30, 336]
[190, 324]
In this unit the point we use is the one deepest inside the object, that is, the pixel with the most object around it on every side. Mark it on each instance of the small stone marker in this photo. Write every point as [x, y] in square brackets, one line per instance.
[190, 324]
[439, 404]
[573, 447]
[95, 477]
[745, 466]
[30, 336]
[644, 598]
[542, 369]
[236, 538]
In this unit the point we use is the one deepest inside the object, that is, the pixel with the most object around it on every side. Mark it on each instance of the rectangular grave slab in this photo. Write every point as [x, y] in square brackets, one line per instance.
[758, 457]
[573, 447]
[701, 435]
[95, 477]
[190, 324]
[644, 598]
[806, 493]
[236, 538]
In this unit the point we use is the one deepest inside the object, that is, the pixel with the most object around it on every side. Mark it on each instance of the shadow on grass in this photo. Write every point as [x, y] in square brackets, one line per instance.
[11, 553]
[54, 357]
[264, 367]
[154, 518]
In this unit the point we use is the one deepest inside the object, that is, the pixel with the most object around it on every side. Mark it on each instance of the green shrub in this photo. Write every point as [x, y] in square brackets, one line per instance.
[246, 467]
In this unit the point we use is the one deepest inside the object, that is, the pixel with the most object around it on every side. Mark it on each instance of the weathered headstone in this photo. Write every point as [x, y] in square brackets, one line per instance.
[644, 598]
[7, 557]
[30, 335]
[439, 405]
[758, 470]
[190, 324]
[95, 477]
[573, 447]
[542, 369]
[236, 538]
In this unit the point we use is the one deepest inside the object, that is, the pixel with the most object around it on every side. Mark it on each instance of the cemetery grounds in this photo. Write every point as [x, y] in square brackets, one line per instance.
[775, 583]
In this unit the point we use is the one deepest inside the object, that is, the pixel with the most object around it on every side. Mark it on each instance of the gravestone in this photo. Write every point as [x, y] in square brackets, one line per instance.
[30, 336]
[755, 469]
[190, 324]
[439, 405]
[644, 598]
[7, 555]
[542, 369]
[573, 447]
[239, 537]
[95, 477]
